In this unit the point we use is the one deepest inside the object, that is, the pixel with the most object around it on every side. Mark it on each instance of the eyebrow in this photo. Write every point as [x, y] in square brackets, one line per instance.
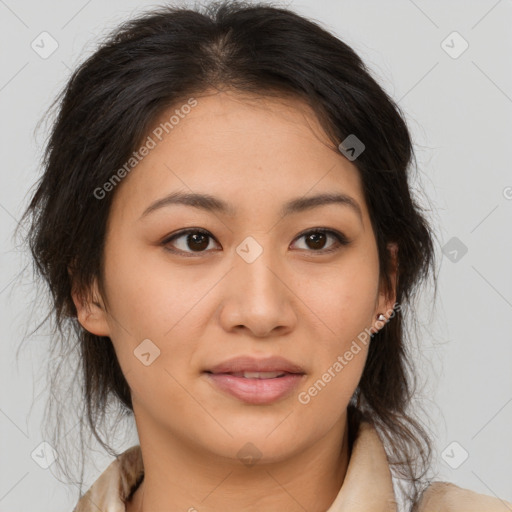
[210, 203]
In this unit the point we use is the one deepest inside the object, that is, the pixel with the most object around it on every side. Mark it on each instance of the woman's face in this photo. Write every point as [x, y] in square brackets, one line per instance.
[253, 283]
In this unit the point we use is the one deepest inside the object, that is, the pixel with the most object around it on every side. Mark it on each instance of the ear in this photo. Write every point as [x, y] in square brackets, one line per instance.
[91, 311]
[387, 297]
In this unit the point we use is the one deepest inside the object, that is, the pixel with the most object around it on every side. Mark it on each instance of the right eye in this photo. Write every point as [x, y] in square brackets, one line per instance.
[188, 241]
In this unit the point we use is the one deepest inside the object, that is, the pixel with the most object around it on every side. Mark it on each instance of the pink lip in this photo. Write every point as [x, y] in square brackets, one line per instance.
[256, 391]
[252, 364]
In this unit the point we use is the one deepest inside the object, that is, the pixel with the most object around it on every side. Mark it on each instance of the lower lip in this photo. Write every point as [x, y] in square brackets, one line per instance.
[256, 391]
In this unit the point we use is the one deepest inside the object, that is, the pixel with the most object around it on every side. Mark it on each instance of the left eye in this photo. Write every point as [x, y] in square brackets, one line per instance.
[198, 240]
[316, 240]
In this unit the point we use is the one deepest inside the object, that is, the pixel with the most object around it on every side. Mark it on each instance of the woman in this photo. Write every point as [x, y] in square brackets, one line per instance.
[225, 218]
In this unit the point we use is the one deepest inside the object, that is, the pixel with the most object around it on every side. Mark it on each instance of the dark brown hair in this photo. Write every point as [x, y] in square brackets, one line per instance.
[151, 63]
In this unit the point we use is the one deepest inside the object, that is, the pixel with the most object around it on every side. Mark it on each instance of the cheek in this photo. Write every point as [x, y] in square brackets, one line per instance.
[343, 302]
[151, 299]
[342, 297]
[339, 355]
[149, 295]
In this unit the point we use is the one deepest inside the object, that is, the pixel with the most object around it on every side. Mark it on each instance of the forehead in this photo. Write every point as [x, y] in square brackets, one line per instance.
[257, 151]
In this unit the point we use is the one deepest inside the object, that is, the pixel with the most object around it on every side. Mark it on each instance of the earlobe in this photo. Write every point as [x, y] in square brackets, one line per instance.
[90, 311]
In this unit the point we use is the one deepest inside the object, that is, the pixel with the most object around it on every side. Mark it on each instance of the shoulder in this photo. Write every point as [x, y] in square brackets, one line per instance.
[115, 485]
[447, 497]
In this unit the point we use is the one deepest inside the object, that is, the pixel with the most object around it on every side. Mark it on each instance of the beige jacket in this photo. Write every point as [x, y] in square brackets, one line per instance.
[368, 486]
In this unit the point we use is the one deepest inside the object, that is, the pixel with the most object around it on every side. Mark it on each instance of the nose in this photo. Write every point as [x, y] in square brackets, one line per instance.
[257, 297]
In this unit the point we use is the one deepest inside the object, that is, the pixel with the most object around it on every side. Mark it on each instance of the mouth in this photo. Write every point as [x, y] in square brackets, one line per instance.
[256, 381]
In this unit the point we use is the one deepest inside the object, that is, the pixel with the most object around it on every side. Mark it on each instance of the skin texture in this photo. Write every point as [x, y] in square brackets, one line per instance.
[202, 308]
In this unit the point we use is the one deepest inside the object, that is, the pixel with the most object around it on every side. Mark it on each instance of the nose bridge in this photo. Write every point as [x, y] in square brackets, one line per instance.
[258, 298]
[256, 266]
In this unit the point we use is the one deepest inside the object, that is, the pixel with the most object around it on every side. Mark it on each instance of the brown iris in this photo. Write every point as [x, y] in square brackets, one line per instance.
[198, 241]
[316, 240]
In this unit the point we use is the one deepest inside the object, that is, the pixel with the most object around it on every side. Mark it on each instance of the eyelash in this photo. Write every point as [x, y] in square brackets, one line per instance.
[341, 240]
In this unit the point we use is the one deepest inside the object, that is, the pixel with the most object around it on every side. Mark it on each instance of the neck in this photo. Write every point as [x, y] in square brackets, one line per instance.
[180, 478]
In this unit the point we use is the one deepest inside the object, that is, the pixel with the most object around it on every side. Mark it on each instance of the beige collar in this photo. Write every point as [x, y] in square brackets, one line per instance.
[367, 486]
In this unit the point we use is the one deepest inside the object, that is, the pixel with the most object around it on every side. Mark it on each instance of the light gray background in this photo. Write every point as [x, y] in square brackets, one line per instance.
[460, 113]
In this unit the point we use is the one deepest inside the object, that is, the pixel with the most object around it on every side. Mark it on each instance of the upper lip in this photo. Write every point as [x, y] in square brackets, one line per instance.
[252, 364]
